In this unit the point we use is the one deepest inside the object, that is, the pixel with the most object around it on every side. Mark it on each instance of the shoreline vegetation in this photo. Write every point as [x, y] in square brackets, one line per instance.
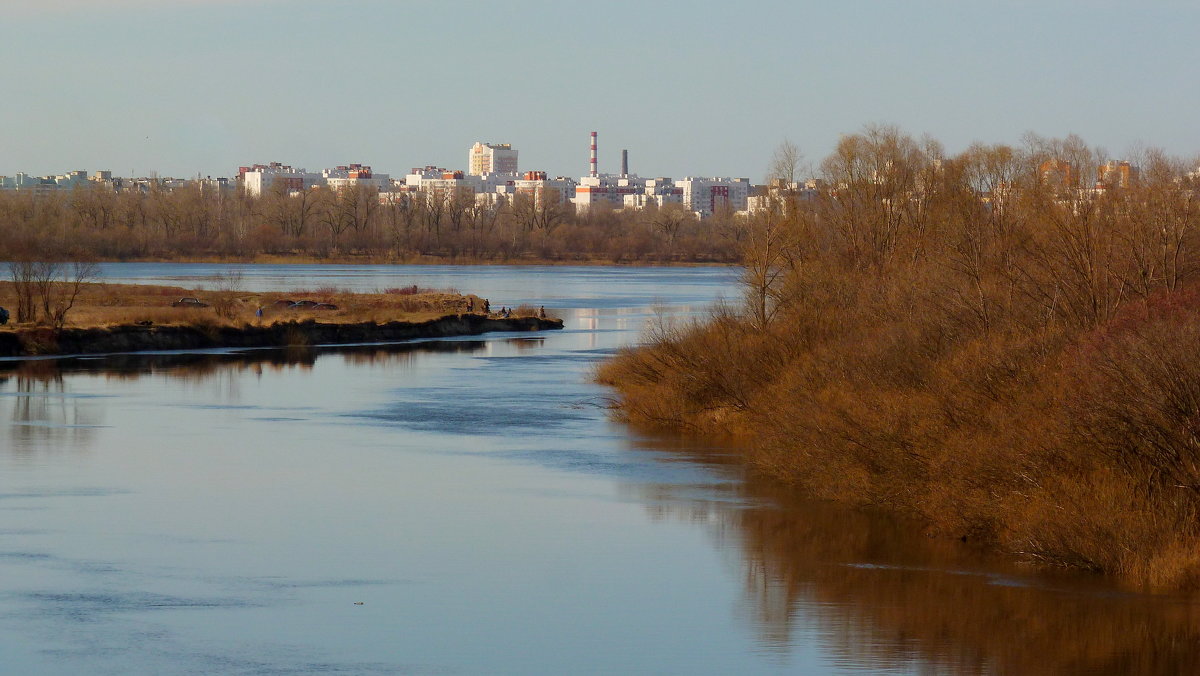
[198, 223]
[299, 258]
[110, 318]
[985, 342]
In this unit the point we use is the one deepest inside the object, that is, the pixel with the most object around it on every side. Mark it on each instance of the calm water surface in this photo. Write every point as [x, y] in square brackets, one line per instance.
[465, 507]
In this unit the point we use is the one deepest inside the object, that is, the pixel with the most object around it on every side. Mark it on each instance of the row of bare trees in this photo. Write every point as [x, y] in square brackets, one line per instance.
[46, 290]
[197, 220]
[969, 338]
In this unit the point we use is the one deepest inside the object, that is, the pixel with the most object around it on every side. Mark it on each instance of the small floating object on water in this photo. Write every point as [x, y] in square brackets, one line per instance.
[358, 603]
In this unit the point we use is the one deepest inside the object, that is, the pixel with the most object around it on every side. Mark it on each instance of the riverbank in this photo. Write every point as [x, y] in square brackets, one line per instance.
[1072, 451]
[103, 318]
[30, 341]
[373, 259]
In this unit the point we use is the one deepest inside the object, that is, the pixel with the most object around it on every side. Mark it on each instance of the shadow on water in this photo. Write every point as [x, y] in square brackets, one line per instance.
[880, 594]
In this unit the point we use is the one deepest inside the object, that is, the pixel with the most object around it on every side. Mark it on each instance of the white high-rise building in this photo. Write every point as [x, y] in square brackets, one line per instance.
[706, 196]
[491, 158]
[261, 178]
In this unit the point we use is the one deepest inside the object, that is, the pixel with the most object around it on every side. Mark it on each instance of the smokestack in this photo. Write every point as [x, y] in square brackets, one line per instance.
[594, 173]
[624, 163]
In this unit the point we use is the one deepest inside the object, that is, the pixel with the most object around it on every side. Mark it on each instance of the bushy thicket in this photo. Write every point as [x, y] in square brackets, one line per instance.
[970, 340]
[194, 222]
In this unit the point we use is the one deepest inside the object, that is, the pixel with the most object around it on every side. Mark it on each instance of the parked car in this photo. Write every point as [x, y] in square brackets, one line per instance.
[189, 302]
[283, 303]
[324, 306]
[302, 305]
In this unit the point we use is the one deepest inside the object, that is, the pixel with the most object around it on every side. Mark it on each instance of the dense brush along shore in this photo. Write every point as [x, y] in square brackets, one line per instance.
[969, 340]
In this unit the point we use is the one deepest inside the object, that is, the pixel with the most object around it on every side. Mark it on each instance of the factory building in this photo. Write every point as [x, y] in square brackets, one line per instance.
[627, 190]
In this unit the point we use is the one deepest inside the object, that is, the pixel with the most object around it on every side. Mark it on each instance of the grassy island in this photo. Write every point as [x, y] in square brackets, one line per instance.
[132, 317]
[1002, 344]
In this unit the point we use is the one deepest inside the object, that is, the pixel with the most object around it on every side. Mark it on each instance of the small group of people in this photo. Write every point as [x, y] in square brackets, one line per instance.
[504, 313]
[487, 305]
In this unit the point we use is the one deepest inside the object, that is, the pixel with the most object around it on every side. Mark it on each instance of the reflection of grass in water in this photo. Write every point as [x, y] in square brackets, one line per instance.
[884, 594]
[201, 365]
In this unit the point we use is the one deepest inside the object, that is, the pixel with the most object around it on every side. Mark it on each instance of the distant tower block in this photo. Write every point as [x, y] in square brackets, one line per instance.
[593, 171]
[489, 158]
[624, 163]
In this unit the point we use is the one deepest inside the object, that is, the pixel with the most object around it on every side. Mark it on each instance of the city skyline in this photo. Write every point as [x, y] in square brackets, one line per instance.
[201, 88]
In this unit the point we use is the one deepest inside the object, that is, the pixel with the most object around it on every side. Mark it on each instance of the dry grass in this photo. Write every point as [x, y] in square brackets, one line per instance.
[106, 305]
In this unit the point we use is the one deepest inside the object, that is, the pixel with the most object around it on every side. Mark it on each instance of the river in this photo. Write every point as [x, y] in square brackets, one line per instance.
[466, 506]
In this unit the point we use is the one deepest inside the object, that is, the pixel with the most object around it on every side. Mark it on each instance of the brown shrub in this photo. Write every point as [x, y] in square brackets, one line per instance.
[1019, 370]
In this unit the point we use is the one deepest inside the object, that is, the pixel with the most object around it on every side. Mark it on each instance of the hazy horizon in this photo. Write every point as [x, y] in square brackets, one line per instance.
[705, 88]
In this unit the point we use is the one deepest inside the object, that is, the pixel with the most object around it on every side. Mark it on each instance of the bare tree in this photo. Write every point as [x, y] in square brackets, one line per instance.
[22, 274]
[667, 220]
[785, 163]
[50, 286]
[75, 275]
[226, 286]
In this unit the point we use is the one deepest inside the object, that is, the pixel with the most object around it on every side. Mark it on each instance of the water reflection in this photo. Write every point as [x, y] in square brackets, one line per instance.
[203, 364]
[47, 410]
[871, 591]
[42, 409]
[879, 594]
[485, 509]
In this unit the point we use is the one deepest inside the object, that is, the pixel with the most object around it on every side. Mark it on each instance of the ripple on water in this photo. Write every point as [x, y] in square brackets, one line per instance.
[88, 606]
[463, 412]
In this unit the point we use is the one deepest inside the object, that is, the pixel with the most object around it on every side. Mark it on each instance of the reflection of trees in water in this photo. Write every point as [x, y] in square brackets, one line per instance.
[881, 594]
[200, 366]
[44, 413]
[527, 343]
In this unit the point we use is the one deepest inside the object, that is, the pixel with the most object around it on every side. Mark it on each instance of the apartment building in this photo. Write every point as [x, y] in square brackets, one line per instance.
[707, 196]
[259, 178]
[355, 175]
[491, 158]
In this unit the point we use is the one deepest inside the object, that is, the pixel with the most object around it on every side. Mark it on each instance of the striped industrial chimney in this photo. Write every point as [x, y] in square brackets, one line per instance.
[594, 172]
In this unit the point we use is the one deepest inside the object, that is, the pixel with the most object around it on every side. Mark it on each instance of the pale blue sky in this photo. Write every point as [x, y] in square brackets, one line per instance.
[201, 86]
